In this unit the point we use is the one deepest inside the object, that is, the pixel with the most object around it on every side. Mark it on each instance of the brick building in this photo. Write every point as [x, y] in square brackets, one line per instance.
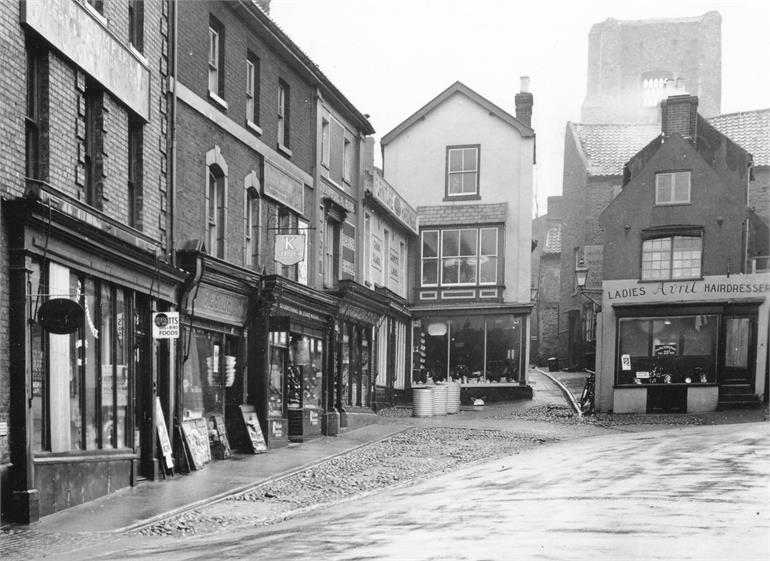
[684, 322]
[467, 165]
[84, 250]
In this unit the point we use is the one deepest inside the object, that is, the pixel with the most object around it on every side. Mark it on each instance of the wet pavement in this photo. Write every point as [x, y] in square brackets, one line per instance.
[97, 529]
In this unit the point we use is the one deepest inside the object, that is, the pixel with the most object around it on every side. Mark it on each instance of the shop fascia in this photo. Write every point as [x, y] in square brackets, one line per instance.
[721, 287]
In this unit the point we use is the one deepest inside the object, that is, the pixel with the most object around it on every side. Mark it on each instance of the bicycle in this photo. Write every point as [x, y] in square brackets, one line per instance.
[587, 405]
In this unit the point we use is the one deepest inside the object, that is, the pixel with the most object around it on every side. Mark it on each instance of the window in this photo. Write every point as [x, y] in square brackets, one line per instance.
[216, 59]
[675, 257]
[93, 144]
[97, 5]
[135, 172]
[215, 200]
[430, 258]
[466, 256]
[672, 188]
[283, 113]
[81, 381]
[136, 24]
[459, 261]
[252, 88]
[462, 171]
[325, 139]
[331, 253]
[672, 349]
[347, 159]
[251, 228]
[33, 118]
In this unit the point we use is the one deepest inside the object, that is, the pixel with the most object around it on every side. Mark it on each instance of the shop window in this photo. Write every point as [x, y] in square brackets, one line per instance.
[210, 367]
[672, 188]
[252, 88]
[136, 24]
[674, 257]
[304, 372]
[462, 171]
[216, 59]
[279, 343]
[664, 350]
[81, 382]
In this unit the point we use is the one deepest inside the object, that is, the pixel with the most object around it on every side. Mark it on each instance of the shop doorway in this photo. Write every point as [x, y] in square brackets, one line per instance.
[738, 353]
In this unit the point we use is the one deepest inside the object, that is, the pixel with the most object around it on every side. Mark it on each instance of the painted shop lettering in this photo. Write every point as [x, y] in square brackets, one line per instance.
[736, 288]
[627, 293]
[664, 289]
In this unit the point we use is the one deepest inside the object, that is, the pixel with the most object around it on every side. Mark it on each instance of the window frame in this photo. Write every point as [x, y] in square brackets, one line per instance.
[252, 88]
[463, 195]
[347, 159]
[673, 187]
[253, 207]
[332, 251]
[439, 259]
[671, 258]
[33, 117]
[135, 172]
[136, 25]
[215, 215]
[216, 59]
[325, 142]
[284, 115]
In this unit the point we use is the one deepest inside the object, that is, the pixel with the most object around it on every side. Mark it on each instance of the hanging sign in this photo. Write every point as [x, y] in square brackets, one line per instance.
[60, 315]
[289, 248]
[165, 325]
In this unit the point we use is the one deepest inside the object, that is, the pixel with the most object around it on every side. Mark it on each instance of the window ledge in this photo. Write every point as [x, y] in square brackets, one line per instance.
[462, 198]
[218, 100]
[254, 126]
[285, 150]
[685, 203]
[138, 54]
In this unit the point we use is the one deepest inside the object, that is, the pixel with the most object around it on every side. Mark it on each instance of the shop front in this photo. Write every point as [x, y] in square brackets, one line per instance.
[686, 346]
[213, 349]
[482, 349]
[360, 315]
[288, 380]
[85, 371]
[392, 352]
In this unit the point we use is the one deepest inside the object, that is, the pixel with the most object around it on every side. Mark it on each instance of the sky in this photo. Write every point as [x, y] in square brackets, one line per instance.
[390, 57]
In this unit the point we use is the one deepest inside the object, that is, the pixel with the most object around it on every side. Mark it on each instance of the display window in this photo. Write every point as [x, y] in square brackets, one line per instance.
[209, 369]
[304, 372]
[667, 350]
[480, 349]
[278, 347]
[81, 382]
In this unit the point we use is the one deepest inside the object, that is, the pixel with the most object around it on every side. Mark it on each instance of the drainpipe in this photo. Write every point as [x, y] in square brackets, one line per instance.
[172, 133]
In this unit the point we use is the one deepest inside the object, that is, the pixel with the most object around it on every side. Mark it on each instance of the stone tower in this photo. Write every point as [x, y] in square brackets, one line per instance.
[632, 65]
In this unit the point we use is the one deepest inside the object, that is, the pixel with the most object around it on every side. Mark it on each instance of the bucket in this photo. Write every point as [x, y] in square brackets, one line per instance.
[453, 397]
[440, 399]
[422, 401]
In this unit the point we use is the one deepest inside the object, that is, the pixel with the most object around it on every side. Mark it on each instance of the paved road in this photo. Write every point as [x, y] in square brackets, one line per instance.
[697, 493]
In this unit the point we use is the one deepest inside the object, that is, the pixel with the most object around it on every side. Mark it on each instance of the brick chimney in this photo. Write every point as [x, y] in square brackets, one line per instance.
[264, 4]
[524, 102]
[679, 114]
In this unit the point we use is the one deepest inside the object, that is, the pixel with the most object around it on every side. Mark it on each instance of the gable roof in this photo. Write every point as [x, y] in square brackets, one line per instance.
[750, 130]
[457, 87]
[607, 148]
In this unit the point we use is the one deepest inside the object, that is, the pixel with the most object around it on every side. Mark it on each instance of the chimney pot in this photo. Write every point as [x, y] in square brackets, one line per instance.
[524, 84]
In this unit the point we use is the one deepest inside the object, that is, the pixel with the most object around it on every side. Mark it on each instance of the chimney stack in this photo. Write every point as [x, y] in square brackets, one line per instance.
[679, 114]
[524, 102]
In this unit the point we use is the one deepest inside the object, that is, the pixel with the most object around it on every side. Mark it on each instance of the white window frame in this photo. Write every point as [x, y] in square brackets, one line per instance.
[459, 256]
[347, 159]
[461, 172]
[490, 255]
[648, 274]
[251, 216]
[436, 259]
[282, 99]
[679, 189]
[325, 142]
[213, 61]
[251, 71]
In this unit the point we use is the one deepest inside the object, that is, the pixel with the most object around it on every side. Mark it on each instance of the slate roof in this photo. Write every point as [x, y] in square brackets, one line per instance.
[607, 148]
[443, 215]
[750, 130]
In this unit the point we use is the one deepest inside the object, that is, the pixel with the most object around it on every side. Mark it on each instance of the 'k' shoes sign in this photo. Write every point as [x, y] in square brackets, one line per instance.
[289, 248]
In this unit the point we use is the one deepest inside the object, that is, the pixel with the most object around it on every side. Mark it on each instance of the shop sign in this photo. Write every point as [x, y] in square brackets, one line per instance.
[376, 252]
[163, 440]
[284, 188]
[165, 325]
[289, 248]
[61, 315]
[666, 349]
[710, 288]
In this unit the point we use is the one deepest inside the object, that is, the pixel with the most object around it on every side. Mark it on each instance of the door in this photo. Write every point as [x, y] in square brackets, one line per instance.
[738, 351]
